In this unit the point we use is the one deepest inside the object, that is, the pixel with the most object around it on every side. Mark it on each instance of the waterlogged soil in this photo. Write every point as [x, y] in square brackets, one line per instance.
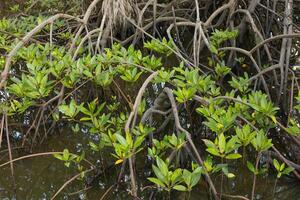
[39, 178]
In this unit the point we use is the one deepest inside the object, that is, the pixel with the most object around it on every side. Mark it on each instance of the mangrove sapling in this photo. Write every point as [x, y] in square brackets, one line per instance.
[223, 149]
[191, 179]
[175, 143]
[168, 180]
[260, 143]
[165, 178]
[245, 136]
[281, 170]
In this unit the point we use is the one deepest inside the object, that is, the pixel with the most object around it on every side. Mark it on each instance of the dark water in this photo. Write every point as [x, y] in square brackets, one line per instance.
[40, 177]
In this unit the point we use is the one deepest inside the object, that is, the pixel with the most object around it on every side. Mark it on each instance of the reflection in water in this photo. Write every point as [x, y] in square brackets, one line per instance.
[40, 177]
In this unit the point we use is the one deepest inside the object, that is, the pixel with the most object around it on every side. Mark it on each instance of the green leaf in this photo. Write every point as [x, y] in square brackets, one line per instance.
[180, 188]
[139, 140]
[282, 166]
[293, 130]
[129, 140]
[67, 164]
[156, 181]
[213, 151]
[187, 177]
[276, 164]
[222, 143]
[176, 176]
[162, 166]
[233, 156]
[58, 156]
[158, 173]
[66, 154]
[230, 175]
[195, 179]
[209, 144]
[213, 49]
[288, 170]
[121, 139]
[273, 119]
[250, 167]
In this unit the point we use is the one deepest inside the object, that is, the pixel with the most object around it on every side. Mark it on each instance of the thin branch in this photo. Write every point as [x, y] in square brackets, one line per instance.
[169, 92]
[37, 155]
[70, 181]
